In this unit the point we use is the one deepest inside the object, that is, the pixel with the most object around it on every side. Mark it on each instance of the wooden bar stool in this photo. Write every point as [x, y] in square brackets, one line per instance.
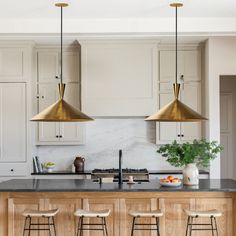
[92, 214]
[211, 214]
[49, 215]
[146, 214]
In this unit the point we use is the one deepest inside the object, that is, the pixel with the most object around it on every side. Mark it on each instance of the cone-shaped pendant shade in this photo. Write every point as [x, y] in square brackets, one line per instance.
[61, 111]
[176, 111]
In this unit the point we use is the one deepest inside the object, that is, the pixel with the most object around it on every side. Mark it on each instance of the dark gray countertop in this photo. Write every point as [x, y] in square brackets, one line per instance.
[88, 172]
[77, 185]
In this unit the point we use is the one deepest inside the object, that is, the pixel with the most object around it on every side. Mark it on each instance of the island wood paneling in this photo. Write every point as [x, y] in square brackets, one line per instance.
[145, 204]
[224, 222]
[15, 208]
[95, 204]
[66, 222]
[173, 222]
[174, 219]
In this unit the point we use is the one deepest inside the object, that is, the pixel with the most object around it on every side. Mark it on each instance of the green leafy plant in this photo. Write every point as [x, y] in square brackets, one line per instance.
[200, 152]
[48, 164]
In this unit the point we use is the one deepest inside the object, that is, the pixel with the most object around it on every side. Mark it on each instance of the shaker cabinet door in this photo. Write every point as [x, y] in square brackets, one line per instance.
[13, 122]
[47, 131]
[48, 67]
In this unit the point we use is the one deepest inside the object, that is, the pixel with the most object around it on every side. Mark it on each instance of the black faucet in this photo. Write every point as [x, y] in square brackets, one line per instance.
[120, 180]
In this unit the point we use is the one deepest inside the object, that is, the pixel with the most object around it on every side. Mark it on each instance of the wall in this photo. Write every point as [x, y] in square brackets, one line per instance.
[104, 138]
[220, 59]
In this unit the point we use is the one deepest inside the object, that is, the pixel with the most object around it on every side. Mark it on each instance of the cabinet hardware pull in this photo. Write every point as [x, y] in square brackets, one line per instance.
[182, 77]
[60, 136]
[42, 96]
[178, 135]
[37, 96]
[57, 136]
[12, 170]
[182, 135]
[56, 77]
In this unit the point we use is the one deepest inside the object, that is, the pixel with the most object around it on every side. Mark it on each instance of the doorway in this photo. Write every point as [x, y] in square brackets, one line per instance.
[227, 126]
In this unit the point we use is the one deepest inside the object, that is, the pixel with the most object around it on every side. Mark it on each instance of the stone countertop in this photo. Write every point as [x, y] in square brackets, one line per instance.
[77, 185]
[88, 172]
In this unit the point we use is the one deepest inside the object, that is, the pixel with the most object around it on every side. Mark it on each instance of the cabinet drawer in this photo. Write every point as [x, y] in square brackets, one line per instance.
[13, 169]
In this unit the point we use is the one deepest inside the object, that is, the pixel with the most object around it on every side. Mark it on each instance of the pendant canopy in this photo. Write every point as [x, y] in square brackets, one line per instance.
[176, 111]
[61, 111]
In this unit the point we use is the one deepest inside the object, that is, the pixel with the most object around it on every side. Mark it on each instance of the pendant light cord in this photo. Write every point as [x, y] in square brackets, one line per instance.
[61, 41]
[176, 45]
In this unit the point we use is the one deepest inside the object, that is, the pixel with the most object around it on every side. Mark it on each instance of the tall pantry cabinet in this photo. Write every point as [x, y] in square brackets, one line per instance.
[15, 76]
[190, 78]
[48, 77]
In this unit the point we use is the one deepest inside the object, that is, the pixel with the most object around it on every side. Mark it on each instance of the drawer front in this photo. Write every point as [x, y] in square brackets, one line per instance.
[13, 169]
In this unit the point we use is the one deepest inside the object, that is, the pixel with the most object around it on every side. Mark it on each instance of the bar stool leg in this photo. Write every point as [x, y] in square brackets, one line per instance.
[191, 225]
[158, 226]
[187, 226]
[81, 226]
[216, 227]
[103, 227]
[49, 226]
[105, 223]
[25, 224]
[54, 226]
[133, 224]
[29, 226]
[78, 228]
[212, 226]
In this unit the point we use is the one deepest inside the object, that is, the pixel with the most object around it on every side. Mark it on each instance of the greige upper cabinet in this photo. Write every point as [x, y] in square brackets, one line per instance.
[12, 122]
[14, 63]
[15, 89]
[119, 77]
[189, 76]
[48, 72]
[49, 66]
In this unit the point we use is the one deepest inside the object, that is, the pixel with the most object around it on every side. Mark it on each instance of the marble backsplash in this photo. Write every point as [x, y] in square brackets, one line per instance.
[104, 138]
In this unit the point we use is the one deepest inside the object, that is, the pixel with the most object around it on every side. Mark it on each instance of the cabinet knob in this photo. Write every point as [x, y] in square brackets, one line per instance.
[57, 136]
[182, 135]
[182, 77]
[56, 77]
[178, 135]
[60, 136]
[12, 170]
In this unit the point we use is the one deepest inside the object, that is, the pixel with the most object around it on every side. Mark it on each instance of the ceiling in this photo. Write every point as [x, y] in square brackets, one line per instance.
[30, 9]
[129, 17]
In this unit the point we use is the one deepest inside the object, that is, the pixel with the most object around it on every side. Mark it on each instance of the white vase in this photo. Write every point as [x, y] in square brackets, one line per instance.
[190, 174]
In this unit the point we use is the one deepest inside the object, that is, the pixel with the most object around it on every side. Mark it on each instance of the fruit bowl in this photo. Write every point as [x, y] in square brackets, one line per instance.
[170, 181]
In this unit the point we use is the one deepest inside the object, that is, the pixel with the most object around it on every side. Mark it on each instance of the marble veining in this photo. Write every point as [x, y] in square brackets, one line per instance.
[104, 137]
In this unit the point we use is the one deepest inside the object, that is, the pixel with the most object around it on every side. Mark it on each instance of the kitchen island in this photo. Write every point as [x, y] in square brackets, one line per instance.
[68, 195]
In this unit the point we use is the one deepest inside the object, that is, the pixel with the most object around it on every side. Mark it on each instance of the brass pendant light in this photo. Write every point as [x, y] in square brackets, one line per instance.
[61, 111]
[176, 111]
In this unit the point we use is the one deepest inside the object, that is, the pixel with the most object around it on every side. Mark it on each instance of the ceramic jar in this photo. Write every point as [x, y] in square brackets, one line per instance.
[190, 174]
[79, 164]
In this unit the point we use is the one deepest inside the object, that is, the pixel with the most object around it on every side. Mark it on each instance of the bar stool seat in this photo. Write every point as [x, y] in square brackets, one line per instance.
[102, 226]
[47, 214]
[153, 214]
[136, 214]
[84, 213]
[194, 226]
[208, 213]
[37, 213]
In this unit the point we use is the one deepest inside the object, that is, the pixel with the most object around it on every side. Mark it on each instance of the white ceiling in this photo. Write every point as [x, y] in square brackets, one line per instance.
[116, 9]
[132, 17]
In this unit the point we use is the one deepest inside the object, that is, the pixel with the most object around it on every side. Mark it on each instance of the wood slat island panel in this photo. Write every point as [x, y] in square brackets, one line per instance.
[172, 204]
